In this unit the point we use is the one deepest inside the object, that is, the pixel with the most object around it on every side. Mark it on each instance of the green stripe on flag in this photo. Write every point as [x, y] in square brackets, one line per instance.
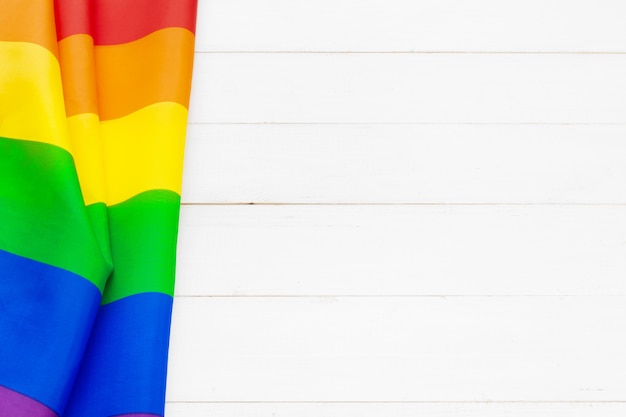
[143, 243]
[42, 214]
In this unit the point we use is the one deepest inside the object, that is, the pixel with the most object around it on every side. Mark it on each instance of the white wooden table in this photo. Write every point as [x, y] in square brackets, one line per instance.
[439, 217]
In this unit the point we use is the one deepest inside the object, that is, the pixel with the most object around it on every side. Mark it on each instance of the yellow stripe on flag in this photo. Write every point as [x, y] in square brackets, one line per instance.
[31, 96]
[86, 142]
[144, 151]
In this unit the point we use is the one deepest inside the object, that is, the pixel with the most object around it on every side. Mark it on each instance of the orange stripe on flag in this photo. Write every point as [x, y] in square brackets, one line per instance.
[79, 75]
[153, 69]
[28, 21]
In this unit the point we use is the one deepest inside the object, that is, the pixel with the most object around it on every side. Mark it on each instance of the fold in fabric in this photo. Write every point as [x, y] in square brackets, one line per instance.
[94, 97]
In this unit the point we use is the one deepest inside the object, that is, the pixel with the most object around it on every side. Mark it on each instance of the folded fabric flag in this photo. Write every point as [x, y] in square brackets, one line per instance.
[93, 111]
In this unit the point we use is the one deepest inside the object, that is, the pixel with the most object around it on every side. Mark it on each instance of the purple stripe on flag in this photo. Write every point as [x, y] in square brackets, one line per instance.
[14, 404]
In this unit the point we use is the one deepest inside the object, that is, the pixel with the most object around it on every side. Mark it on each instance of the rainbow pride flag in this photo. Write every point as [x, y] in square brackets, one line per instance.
[93, 110]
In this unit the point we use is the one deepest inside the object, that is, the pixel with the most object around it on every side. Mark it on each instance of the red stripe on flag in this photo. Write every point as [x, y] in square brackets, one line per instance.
[113, 22]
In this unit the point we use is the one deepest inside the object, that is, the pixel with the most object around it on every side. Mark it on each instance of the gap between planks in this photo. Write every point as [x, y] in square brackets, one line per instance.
[406, 124]
[427, 204]
[396, 295]
[422, 52]
[404, 402]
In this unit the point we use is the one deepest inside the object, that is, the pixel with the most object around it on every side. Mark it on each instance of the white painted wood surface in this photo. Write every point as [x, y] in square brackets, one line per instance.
[399, 349]
[443, 220]
[408, 88]
[531, 164]
[402, 250]
[412, 25]
[488, 409]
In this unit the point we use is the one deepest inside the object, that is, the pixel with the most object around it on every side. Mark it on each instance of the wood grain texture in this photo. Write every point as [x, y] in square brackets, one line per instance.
[397, 410]
[408, 88]
[535, 164]
[401, 250]
[411, 25]
[390, 349]
[456, 247]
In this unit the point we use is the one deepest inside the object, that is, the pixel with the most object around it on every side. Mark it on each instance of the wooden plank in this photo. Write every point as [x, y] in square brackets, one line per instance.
[405, 164]
[398, 410]
[408, 88]
[400, 250]
[398, 349]
[422, 25]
